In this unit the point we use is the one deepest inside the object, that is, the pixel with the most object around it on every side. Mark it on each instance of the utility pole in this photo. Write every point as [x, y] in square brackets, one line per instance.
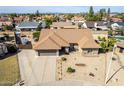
[109, 66]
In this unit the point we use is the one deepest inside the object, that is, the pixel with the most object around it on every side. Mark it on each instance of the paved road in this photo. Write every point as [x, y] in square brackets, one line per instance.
[36, 70]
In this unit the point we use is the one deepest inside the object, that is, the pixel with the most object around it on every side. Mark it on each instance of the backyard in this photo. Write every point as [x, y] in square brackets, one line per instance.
[9, 71]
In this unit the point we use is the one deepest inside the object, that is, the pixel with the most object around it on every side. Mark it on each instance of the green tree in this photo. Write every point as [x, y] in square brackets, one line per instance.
[6, 27]
[37, 13]
[108, 14]
[31, 16]
[91, 16]
[69, 16]
[102, 13]
[110, 33]
[36, 35]
[91, 12]
[48, 22]
[107, 44]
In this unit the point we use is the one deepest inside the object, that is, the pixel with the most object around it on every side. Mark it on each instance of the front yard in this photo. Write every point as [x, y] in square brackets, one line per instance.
[91, 69]
[87, 69]
[9, 71]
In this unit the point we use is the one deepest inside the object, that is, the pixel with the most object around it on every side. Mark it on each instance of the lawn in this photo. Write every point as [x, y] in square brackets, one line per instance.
[9, 71]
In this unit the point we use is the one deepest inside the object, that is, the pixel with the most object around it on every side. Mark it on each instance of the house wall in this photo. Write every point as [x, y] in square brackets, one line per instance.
[119, 49]
[90, 52]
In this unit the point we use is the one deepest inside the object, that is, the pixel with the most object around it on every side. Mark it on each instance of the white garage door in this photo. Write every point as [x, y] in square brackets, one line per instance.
[48, 53]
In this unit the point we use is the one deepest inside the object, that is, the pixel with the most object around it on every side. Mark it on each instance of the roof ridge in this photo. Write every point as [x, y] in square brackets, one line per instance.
[44, 39]
[60, 37]
[54, 41]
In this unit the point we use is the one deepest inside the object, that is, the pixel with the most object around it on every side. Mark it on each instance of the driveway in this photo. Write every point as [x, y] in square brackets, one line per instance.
[36, 70]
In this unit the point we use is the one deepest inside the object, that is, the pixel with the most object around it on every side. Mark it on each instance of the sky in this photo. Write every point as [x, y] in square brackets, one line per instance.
[56, 9]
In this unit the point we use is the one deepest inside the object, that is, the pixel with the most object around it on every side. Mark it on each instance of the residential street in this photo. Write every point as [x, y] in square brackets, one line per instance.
[36, 70]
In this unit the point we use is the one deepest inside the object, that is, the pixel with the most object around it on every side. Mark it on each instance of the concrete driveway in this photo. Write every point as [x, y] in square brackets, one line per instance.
[36, 70]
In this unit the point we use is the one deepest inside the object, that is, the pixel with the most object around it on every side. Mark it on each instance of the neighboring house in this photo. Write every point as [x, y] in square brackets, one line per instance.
[28, 26]
[117, 25]
[116, 20]
[78, 19]
[120, 47]
[3, 49]
[64, 25]
[97, 25]
[55, 42]
[6, 23]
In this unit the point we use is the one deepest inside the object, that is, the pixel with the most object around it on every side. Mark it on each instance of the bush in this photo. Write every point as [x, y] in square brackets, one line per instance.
[36, 35]
[12, 48]
[110, 33]
[113, 58]
[70, 70]
[63, 58]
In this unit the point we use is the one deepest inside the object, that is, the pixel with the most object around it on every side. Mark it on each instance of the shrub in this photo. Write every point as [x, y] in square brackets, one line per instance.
[113, 58]
[70, 70]
[36, 35]
[63, 58]
[12, 48]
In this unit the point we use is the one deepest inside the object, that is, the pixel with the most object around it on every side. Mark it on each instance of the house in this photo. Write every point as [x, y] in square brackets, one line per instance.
[3, 49]
[117, 25]
[116, 20]
[78, 19]
[120, 47]
[31, 26]
[97, 25]
[64, 25]
[55, 42]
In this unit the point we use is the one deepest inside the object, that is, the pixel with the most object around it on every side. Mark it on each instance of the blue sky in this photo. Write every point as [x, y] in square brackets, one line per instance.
[53, 9]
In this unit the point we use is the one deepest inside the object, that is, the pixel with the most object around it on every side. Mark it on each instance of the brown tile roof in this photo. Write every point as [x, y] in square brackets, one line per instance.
[120, 44]
[62, 37]
[50, 40]
[78, 18]
[47, 44]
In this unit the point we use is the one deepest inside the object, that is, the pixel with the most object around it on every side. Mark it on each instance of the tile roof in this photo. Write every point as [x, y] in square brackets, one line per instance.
[63, 37]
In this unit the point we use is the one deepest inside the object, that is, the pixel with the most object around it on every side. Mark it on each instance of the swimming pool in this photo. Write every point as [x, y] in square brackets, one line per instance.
[119, 37]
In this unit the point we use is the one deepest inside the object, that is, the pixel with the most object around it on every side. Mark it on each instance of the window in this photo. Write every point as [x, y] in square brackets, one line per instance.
[89, 51]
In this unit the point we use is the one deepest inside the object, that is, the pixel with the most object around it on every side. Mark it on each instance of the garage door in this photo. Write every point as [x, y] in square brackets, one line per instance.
[47, 53]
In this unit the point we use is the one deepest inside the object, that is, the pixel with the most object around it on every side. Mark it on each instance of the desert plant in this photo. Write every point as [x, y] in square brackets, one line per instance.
[70, 70]
[113, 58]
[36, 35]
[64, 59]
